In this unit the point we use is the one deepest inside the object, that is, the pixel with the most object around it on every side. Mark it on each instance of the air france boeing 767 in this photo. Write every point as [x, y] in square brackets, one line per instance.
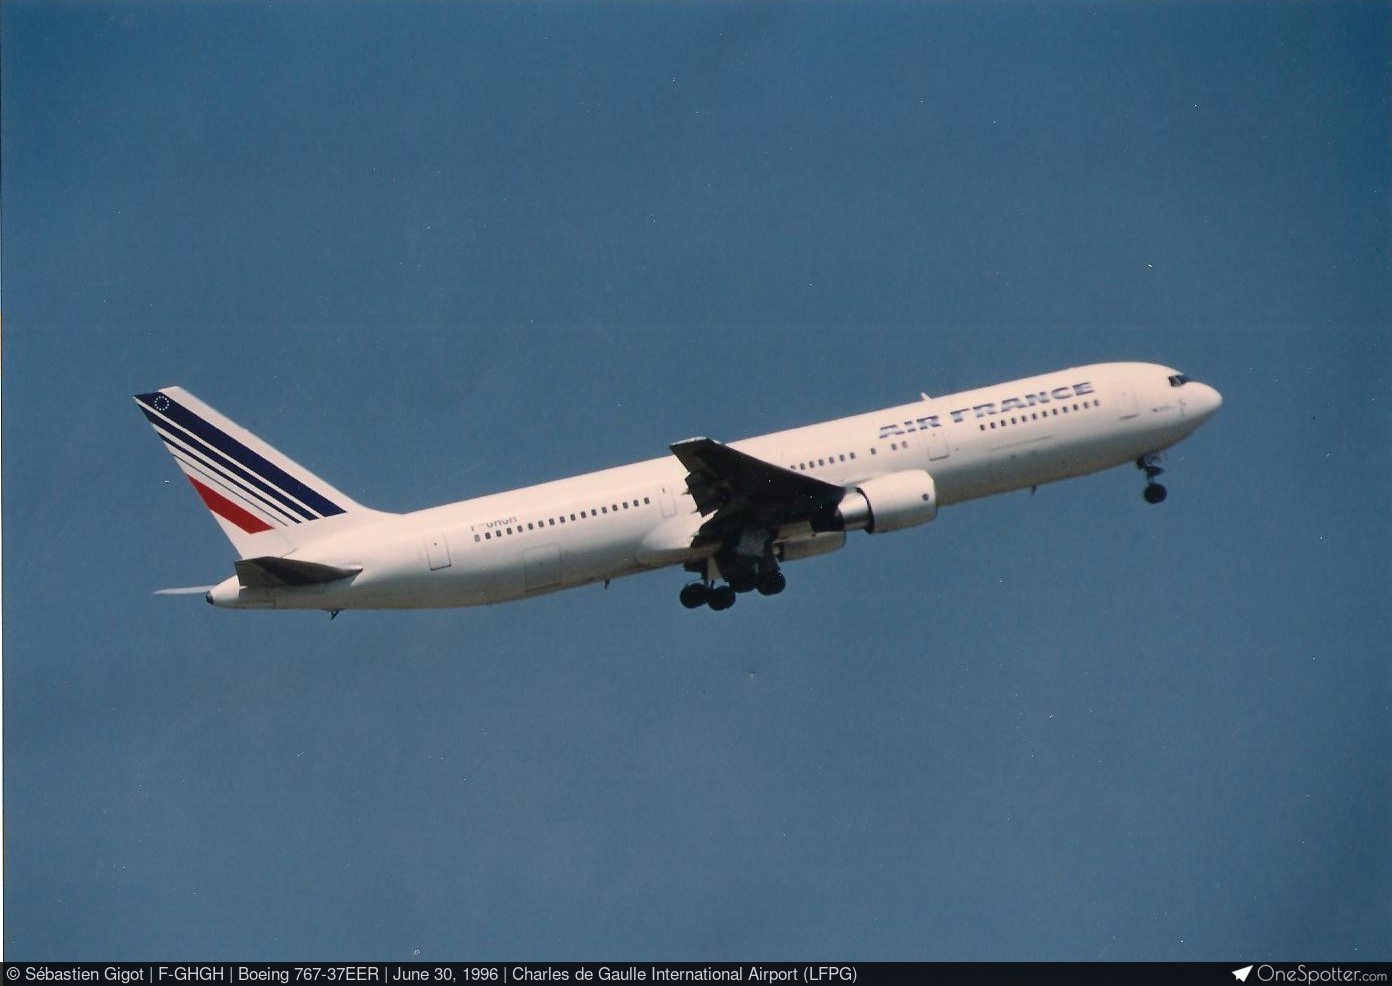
[728, 514]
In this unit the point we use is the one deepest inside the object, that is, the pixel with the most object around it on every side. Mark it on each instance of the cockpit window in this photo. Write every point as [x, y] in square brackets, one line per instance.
[1178, 380]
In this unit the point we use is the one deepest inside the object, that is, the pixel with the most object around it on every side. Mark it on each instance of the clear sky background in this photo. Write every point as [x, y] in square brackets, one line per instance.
[437, 250]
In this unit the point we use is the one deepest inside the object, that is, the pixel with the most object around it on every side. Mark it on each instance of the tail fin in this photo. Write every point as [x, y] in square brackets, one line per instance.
[266, 503]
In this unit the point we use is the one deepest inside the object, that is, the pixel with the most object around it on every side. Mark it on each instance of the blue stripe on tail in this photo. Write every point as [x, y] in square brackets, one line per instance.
[255, 467]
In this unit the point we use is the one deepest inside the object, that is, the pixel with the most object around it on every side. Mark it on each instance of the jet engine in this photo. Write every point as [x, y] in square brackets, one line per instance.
[888, 503]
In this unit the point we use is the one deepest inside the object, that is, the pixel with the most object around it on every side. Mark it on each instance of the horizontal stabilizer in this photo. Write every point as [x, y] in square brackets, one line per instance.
[272, 573]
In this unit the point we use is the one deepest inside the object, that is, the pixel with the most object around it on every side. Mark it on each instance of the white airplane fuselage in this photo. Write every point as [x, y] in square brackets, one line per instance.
[641, 517]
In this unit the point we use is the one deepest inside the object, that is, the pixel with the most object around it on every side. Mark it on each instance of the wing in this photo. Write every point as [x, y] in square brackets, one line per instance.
[742, 490]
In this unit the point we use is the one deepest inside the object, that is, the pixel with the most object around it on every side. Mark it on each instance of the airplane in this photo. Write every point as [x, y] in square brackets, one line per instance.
[729, 514]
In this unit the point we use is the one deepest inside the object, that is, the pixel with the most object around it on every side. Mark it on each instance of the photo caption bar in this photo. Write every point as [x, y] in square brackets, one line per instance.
[588, 973]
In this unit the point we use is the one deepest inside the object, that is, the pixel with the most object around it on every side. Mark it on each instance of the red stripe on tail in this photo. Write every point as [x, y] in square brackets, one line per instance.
[228, 510]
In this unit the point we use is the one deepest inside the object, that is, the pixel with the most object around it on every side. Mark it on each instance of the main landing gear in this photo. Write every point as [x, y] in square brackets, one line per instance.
[694, 595]
[1154, 492]
[766, 580]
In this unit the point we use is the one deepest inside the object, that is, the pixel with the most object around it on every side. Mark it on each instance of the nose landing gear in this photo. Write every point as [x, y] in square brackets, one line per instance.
[1154, 492]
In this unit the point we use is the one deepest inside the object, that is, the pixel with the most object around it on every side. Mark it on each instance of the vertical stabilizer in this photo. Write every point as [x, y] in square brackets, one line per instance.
[265, 502]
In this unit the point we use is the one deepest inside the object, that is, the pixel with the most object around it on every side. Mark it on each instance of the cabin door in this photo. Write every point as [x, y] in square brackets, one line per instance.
[437, 551]
[541, 568]
[1126, 402]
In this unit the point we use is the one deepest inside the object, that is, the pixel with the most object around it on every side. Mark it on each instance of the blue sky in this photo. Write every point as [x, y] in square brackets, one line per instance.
[436, 250]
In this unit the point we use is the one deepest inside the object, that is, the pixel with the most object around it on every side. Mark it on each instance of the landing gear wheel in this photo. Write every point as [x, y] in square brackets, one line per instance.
[694, 595]
[721, 597]
[772, 583]
[743, 582]
[1149, 464]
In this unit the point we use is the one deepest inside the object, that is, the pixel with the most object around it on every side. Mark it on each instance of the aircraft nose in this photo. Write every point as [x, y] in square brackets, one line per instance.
[1204, 401]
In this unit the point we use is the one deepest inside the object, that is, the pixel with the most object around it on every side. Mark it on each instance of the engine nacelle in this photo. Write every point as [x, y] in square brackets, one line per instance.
[889, 503]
